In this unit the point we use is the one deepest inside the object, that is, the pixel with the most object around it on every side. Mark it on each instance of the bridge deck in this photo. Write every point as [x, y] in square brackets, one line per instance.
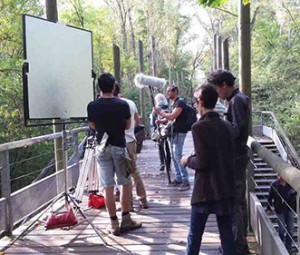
[165, 223]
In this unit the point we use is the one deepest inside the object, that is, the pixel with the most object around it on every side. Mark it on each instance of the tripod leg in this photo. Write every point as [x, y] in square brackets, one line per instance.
[31, 224]
[161, 144]
[168, 158]
[99, 233]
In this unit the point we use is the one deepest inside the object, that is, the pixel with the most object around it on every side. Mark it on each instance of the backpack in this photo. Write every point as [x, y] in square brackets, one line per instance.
[191, 116]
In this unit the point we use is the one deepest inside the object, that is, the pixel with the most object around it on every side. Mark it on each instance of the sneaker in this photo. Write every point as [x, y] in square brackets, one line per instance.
[113, 228]
[175, 183]
[162, 167]
[184, 186]
[144, 203]
[128, 224]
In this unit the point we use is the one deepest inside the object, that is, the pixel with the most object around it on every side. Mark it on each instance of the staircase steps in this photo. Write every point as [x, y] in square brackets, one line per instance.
[264, 175]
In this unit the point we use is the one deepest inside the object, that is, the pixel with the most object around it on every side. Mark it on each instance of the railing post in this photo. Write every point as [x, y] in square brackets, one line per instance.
[6, 190]
[250, 185]
[261, 123]
[75, 171]
[298, 220]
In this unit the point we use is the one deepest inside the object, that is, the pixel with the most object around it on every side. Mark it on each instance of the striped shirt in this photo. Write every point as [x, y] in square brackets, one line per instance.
[220, 108]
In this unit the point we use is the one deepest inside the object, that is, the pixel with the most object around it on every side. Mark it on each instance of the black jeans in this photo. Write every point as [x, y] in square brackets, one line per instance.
[240, 219]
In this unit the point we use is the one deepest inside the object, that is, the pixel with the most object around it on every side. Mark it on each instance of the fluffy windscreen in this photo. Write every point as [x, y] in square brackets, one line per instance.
[142, 81]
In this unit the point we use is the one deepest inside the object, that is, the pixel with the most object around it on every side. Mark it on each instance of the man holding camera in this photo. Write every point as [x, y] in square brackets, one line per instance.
[177, 138]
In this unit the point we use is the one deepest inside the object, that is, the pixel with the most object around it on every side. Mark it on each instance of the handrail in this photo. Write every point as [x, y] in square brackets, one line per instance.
[291, 152]
[288, 172]
[38, 139]
[10, 200]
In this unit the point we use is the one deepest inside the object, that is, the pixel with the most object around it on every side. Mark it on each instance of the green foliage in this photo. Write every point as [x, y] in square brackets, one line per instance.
[216, 3]
[211, 3]
[275, 68]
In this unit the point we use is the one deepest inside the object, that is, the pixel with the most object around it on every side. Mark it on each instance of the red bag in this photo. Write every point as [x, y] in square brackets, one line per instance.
[96, 201]
[61, 219]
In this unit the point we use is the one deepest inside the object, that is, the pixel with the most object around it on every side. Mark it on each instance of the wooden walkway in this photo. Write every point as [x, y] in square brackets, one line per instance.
[165, 223]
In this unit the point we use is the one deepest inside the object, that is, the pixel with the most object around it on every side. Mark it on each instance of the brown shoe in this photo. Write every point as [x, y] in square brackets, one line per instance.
[128, 224]
[113, 228]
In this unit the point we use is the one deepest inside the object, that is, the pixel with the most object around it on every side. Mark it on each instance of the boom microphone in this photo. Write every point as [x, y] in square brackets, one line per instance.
[142, 81]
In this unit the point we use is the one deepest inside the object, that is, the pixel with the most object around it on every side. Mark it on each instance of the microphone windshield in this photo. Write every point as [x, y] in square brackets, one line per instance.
[142, 81]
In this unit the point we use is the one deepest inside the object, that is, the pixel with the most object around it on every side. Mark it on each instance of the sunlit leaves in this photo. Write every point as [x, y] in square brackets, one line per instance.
[215, 3]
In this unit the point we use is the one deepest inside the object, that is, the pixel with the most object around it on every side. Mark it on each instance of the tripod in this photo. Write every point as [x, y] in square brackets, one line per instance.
[88, 171]
[68, 198]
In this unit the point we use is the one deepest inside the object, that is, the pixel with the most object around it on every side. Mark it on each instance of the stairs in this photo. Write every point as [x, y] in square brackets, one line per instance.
[264, 175]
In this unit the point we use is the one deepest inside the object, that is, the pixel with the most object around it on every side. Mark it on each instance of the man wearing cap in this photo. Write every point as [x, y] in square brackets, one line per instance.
[178, 117]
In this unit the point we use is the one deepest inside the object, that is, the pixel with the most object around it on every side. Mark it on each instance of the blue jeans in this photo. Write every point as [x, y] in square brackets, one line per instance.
[286, 222]
[177, 142]
[198, 221]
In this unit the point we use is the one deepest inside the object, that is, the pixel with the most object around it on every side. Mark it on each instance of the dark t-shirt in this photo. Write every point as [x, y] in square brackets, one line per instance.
[179, 124]
[110, 115]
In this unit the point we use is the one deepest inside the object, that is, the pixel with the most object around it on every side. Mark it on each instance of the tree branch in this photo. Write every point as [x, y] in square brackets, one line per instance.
[228, 12]
[9, 70]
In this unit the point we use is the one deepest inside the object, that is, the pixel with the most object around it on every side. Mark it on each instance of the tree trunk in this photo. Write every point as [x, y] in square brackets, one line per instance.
[245, 53]
[51, 13]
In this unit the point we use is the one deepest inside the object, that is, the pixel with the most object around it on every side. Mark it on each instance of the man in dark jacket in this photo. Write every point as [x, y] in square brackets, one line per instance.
[213, 161]
[238, 115]
[283, 197]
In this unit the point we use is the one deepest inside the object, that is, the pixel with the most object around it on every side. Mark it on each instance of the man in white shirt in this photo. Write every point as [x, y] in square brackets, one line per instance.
[131, 147]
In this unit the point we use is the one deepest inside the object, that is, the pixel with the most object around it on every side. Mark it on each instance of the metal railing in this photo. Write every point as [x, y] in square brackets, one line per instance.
[34, 196]
[268, 119]
[288, 172]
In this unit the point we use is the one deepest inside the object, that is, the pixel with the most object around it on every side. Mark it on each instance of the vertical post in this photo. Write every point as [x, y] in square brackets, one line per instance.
[177, 79]
[142, 90]
[75, 172]
[215, 63]
[117, 63]
[250, 185]
[6, 191]
[182, 78]
[225, 54]
[51, 14]
[51, 10]
[170, 76]
[219, 52]
[298, 219]
[245, 53]
[153, 55]
[65, 157]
